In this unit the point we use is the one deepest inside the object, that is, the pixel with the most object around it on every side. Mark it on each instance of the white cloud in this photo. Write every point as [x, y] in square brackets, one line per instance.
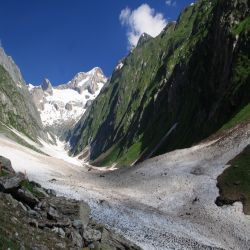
[171, 3]
[124, 16]
[144, 19]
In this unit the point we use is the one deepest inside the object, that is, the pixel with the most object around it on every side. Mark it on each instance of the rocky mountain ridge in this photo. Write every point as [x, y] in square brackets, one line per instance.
[17, 109]
[8, 63]
[62, 106]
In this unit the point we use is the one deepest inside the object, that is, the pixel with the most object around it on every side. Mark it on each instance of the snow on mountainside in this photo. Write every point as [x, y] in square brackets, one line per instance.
[62, 106]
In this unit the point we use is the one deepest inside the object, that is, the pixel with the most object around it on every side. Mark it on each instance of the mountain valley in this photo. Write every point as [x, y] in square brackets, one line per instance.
[159, 150]
[165, 103]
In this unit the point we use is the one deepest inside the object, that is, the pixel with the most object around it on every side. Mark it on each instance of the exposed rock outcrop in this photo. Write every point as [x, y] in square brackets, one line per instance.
[47, 86]
[17, 109]
[10, 66]
[48, 222]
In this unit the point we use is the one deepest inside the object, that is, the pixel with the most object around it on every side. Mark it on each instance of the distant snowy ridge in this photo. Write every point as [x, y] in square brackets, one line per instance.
[62, 106]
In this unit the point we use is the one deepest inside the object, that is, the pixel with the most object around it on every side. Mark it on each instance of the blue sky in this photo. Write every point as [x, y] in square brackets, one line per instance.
[58, 38]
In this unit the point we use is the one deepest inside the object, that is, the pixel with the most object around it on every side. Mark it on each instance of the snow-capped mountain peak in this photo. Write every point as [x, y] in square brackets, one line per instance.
[62, 106]
[86, 81]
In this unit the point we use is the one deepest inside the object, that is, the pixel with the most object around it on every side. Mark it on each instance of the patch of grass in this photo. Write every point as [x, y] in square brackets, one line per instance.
[234, 182]
[6, 243]
[107, 158]
[242, 26]
[132, 153]
[3, 173]
[243, 115]
[114, 155]
[30, 187]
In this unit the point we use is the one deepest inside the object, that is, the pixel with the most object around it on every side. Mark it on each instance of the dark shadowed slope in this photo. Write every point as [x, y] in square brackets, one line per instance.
[194, 74]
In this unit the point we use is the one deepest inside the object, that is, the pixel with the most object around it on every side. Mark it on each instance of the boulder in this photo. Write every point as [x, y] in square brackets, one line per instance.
[10, 183]
[90, 234]
[76, 239]
[42, 205]
[77, 224]
[33, 213]
[25, 196]
[52, 214]
[59, 231]
[113, 241]
[72, 209]
[51, 192]
[6, 164]
[84, 213]
[50, 224]
[22, 206]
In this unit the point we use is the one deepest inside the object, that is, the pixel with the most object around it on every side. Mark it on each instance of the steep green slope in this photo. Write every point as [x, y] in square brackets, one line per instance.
[243, 115]
[16, 109]
[174, 90]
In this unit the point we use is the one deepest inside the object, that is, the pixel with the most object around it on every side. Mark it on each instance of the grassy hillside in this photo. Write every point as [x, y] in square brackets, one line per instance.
[243, 115]
[173, 90]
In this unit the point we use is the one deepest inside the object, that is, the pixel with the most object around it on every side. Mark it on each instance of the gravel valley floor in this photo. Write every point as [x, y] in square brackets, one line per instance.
[164, 203]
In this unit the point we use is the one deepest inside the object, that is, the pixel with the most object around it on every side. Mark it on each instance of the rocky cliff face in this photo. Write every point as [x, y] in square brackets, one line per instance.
[10, 66]
[174, 90]
[16, 106]
[62, 106]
